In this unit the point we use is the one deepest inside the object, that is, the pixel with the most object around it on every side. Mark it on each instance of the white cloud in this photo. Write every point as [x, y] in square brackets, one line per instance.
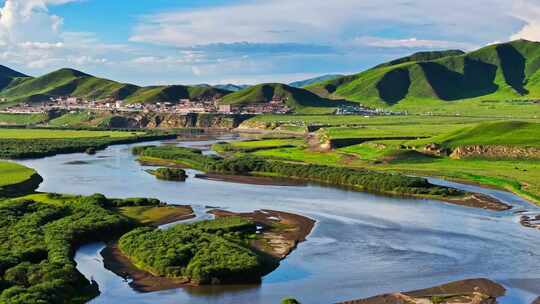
[528, 12]
[412, 43]
[322, 21]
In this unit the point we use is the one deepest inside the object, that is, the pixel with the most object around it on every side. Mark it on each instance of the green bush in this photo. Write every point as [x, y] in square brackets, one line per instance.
[38, 244]
[209, 252]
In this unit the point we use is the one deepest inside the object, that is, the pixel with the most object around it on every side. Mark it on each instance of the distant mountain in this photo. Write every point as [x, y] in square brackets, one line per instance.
[497, 72]
[69, 82]
[232, 87]
[303, 83]
[297, 99]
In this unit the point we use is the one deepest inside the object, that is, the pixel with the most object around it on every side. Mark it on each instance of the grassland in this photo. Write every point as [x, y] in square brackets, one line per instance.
[515, 133]
[62, 134]
[22, 119]
[521, 176]
[12, 173]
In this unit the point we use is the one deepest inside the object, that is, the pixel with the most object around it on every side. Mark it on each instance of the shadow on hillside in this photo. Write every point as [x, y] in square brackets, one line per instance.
[477, 79]
[394, 86]
[513, 67]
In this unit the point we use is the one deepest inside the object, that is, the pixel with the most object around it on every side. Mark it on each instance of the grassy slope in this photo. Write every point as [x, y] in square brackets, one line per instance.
[12, 173]
[22, 119]
[61, 134]
[498, 72]
[299, 99]
[69, 82]
[511, 133]
[174, 93]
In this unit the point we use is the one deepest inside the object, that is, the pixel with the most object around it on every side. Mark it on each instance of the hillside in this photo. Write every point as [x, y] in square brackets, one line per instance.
[296, 98]
[506, 133]
[497, 72]
[306, 82]
[69, 82]
[9, 77]
[174, 93]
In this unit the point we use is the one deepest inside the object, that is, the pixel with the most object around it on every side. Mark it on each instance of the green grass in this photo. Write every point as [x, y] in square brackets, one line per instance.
[431, 81]
[268, 143]
[300, 154]
[355, 120]
[69, 82]
[12, 173]
[383, 131]
[61, 134]
[296, 98]
[78, 119]
[519, 176]
[153, 214]
[513, 133]
[22, 119]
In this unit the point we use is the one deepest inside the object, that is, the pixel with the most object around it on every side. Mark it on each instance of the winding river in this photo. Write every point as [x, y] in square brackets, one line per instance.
[363, 244]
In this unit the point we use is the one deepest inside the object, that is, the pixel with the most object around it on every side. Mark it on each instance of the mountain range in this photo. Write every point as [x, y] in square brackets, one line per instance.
[505, 71]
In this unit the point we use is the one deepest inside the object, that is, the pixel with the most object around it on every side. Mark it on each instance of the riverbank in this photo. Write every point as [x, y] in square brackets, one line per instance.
[280, 233]
[472, 291]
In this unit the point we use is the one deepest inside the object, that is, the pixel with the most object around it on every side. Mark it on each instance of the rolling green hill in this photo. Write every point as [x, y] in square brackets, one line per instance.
[509, 133]
[306, 82]
[174, 93]
[297, 99]
[10, 77]
[69, 82]
[504, 71]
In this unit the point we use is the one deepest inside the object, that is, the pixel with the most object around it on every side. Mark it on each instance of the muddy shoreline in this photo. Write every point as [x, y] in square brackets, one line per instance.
[281, 233]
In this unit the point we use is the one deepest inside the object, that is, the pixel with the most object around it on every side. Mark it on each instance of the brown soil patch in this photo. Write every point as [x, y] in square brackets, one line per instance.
[281, 231]
[474, 291]
[477, 200]
[182, 213]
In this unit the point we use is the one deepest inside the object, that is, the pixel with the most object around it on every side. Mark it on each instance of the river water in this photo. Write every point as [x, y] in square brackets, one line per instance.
[362, 245]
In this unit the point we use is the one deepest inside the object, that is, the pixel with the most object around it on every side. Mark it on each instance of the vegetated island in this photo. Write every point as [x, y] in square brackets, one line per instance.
[169, 174]
[233, 248]
[473, 291]
[356, 179]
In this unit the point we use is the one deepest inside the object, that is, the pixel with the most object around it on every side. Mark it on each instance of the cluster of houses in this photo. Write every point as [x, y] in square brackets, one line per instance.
[277, 105]
[182, 106]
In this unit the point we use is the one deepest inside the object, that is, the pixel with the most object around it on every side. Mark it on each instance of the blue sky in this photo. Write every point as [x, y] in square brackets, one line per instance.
[245, 41]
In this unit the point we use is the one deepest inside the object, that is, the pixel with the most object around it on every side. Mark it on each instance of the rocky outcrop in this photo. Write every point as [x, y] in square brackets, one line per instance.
[496, 152]
[475, 291]
[436, 150]
[139, 120]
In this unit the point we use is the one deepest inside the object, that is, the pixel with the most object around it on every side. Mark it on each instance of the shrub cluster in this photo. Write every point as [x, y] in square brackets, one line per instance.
[357, 178]
[38, 243]
[171, 174]
[209, 252]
